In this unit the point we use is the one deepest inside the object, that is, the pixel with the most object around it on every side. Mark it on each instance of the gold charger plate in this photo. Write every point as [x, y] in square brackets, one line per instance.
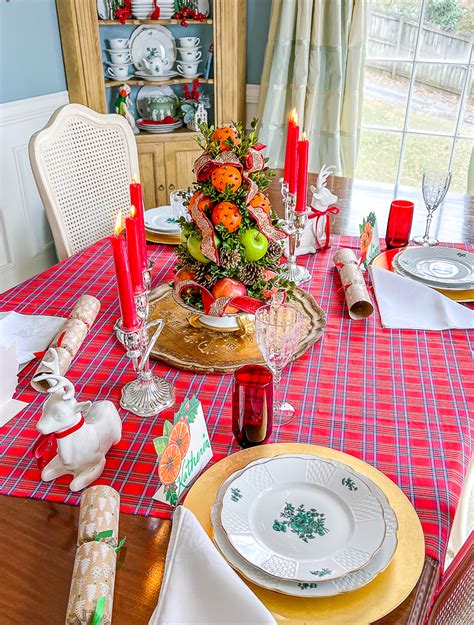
[166, 239]
[208, 351]
[359, 607]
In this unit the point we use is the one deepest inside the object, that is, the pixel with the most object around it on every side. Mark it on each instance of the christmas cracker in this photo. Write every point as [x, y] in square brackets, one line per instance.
[357, 296]
[99, 515]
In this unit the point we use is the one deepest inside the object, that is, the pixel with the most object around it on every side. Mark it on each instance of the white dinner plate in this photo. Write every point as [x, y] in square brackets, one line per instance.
[319, 587]
[161, 220]
[102, 9]
[445, 267]
[146, 39]
[150, 78]
[293, 517]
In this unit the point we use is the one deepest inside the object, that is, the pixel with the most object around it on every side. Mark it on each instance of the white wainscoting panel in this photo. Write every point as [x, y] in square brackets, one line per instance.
[252, 93]
[26, 244]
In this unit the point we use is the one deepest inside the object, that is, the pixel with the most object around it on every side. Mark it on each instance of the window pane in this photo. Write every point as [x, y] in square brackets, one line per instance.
[378, 156]
[460, 165]
[435, 97]
[467, 123]
[392, 29]
[447, 29]
[385, 94]
[423, 152]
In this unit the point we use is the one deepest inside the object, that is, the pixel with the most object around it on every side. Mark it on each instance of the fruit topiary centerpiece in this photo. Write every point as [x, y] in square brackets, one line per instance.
[229, 257]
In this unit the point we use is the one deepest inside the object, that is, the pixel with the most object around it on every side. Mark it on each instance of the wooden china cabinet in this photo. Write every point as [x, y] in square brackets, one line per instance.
[166, 160]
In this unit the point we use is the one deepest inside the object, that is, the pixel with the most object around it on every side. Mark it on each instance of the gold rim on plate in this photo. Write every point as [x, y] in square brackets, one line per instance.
[359, 607]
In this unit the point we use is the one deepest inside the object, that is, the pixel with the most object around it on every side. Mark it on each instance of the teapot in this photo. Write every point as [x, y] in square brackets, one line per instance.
[156, 65]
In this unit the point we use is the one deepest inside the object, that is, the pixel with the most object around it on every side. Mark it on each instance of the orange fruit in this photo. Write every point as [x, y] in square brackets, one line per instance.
[227, 214]
[170, 464]
[220, 136]
[261, 200]
[226, 176]
[205, 204]
[181, 436]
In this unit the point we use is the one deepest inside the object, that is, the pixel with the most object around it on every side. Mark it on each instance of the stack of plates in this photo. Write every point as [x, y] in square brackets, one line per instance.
[304, 526]
[160, 220]
[158, 128]
[166, 9]
[438, 267]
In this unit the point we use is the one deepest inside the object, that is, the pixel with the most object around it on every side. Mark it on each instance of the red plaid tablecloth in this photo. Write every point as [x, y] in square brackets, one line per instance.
[398, 399]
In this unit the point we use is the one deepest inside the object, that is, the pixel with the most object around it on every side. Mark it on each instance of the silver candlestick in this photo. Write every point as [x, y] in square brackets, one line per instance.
[148, 395]
[295, 222]
[142, 302]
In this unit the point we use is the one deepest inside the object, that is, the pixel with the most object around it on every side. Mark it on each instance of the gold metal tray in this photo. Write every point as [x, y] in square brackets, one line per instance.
[208, 351]
[359, 607]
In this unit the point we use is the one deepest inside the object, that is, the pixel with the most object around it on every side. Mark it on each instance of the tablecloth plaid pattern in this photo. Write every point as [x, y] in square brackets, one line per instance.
[398, 399]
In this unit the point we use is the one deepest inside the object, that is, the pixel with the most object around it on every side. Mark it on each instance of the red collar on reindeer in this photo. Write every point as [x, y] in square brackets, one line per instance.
[42, 443]
[203, 167]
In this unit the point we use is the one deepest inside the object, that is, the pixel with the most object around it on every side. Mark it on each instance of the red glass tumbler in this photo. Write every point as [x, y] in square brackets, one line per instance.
[399, 223]
[252, 405]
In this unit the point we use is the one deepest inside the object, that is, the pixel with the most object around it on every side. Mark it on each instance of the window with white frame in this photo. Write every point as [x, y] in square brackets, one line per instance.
[418, 107]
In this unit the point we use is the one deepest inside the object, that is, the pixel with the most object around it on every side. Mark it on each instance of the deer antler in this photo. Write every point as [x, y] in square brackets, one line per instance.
[55, 380]
[323, 176]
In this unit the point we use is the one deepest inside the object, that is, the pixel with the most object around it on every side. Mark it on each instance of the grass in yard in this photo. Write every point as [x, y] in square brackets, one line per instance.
[379, 150]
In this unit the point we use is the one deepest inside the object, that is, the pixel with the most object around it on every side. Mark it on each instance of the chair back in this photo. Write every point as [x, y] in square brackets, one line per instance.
[454, 602]
[83, 163]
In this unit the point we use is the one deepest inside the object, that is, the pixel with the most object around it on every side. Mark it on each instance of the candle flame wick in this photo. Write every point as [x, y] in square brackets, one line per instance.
[294, 116]
[118, 223]
[133, 211]
[135, 179]
[303, 136]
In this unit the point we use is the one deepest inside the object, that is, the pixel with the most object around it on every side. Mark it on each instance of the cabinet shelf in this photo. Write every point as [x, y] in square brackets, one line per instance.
[170, 22]
[176, 135]
[164, 83]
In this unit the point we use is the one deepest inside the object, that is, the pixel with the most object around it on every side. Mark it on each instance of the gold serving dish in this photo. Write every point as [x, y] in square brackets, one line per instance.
[187, 344]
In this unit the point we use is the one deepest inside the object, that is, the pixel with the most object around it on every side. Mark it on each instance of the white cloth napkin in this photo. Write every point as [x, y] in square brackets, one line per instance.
[199, 587]
[8, 380]
[31, 333]
[406, 303]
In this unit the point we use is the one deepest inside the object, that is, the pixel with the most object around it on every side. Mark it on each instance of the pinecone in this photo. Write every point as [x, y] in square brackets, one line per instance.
[204, 277]
[251, 273]
[182, 256]
[229, 259]
[274, 252]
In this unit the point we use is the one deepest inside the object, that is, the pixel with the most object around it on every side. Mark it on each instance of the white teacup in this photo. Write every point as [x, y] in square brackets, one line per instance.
[188, 42]
[190, 54]
[119, 57]
[188, 69]
[120, 43]
[120, 72]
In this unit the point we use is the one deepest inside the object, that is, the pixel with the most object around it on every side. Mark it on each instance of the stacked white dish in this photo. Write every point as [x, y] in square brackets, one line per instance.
[190, 52]
[142, 9]
[166, 9]
[161, 220]
[119, 55]
[304, 526]
[158, 128]
[438, 267]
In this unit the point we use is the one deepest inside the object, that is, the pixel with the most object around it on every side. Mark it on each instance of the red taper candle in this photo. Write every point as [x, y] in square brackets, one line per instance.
[291, 163]
[136, 199]
[124, 280]
[301, 196]
[134, 251]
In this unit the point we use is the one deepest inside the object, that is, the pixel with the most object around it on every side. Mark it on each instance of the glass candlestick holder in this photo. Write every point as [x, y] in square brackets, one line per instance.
[295, 226]
[148, 395]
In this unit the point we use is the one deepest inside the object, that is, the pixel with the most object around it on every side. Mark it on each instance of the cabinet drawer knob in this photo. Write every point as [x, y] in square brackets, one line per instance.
[171, 187]
[161, 187]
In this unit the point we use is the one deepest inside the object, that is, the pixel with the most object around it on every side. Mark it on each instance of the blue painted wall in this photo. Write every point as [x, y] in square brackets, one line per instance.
[258, 20]
[31, 62]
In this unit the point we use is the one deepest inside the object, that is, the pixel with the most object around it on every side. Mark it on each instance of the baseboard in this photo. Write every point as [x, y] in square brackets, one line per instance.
[20, 111]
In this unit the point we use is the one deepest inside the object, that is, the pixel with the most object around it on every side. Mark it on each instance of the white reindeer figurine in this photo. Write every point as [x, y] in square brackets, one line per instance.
[82, 441]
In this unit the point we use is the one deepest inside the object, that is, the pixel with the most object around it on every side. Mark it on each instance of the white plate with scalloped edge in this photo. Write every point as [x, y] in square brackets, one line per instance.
[294, 516]
[319, 587]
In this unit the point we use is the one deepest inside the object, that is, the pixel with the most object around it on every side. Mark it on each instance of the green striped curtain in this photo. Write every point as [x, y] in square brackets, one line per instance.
[314, 62]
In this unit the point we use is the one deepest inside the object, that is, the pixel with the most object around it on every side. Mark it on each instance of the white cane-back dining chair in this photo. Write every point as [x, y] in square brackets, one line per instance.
[83, 163]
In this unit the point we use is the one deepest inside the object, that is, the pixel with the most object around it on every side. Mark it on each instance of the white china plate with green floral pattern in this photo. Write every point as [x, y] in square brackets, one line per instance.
[320, 586]
[291, 517]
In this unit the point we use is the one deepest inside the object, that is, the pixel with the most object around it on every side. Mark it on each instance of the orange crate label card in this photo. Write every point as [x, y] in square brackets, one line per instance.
[183, 451]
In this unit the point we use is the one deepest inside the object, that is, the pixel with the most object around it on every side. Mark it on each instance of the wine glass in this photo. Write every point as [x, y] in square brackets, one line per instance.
[435, 185]
[278, 330]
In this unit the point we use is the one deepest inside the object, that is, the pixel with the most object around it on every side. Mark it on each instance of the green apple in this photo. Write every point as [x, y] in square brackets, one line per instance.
[194, 247]
[255, 244]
